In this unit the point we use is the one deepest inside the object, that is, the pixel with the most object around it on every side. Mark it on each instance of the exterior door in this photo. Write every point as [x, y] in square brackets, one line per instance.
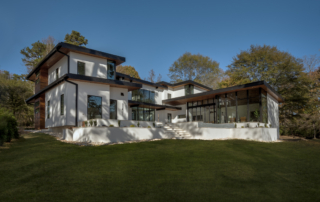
[169, 118]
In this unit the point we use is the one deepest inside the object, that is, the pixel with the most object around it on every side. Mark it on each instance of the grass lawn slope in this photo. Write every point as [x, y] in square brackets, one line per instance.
[40, 168]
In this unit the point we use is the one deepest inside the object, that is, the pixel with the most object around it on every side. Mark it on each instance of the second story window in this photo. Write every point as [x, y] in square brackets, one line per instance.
[189, 89]
[111, 73]
[142, 95]
[57, 73]
[62, 104]
[81, 68]
[169, 95]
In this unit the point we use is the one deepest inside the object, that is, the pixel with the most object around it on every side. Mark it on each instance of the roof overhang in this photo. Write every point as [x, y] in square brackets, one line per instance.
[130, 78]
[183, 83]
[89, 79]
[152, 106]
[213, 93]
[64, 48]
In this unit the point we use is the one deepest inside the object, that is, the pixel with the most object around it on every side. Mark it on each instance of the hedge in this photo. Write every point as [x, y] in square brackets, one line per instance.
[8, 127]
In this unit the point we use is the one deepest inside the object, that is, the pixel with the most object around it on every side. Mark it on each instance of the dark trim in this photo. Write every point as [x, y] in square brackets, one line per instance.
[76, 123]
[236, 107]
[248, 110]
[161, 109]
[68, 60]
[184, 83]
[226, 109]
[139, 80]
[135, 103]
[222, 90]
[260, 105]
[70, 47]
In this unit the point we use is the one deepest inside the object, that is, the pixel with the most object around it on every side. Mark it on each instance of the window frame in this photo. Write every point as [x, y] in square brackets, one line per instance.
[169, 96]
[88, 106]
[114, 70]
[57, 73]
[116, 101]
[62, 104]
[48, 109]
[84, 68]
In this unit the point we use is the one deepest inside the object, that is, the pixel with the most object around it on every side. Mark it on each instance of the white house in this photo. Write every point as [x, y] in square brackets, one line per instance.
[75, 84]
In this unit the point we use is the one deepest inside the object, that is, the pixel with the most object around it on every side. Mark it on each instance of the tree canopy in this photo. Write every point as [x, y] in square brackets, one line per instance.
[197, 67]
[128, 70]
[33, 55]
[75, 38]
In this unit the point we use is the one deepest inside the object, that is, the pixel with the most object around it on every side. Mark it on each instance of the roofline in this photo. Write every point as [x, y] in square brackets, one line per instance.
[154, 105]
[82, 78]
[75, 48]
[222, 90]
[184, 82]
[140, 80]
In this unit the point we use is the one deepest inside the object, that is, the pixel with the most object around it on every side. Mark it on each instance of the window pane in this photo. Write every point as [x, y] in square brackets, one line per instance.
[181, 116]
[113, 109]
[134, 115]
[48, 109]
[94, 107]
[140, 114]
[191, 89]
[264, 110]
[242, 110]
[111, 70]
[62, 104]
[199, 102]
[146, 114]
[169, 96]
[152, 114]
[81, 68]
[57, 73]
[186, 89]
[152, 97]
[211, 115]
[189, 104]
[242, 94]
[195, 103]
[210, 101]
[146, 94]
[205, 102]
[194, 114]
[231, 107]
[254, 109]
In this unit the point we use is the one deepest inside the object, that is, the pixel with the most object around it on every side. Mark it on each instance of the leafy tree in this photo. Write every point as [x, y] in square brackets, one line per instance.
[281, 70]
[75, 38]
[197, 67]
[128, 70]
[33, 55]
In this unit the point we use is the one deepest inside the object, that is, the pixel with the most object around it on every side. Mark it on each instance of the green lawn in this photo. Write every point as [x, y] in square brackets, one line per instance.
[40, 168]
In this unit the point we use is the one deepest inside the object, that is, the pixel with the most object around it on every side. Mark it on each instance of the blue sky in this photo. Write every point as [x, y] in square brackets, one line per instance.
[153, 34]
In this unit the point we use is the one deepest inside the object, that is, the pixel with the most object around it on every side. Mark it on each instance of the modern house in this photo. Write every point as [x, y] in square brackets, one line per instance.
[74, 84]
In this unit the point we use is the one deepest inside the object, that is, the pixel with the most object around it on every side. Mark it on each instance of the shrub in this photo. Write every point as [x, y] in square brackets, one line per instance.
[235, 125]
[91, 123]
[138, 124]
[95, 123]
[86, 123]
[8, 126]
[149, 126]
[119, 122]
[154, 124]
[132, 126]
[111, 126]
[242, 126]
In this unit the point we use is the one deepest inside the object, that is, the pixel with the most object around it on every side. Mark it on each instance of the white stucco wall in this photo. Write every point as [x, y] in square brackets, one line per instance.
[109, 135]
[122, 102]
[94, 66]
[62, 64]
[273, 113]
[54, 95]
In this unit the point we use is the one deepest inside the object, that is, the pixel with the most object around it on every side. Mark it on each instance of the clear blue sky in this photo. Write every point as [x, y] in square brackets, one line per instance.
[153, 34]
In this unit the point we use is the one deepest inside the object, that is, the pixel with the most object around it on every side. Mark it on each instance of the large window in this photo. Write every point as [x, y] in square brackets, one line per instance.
[264, 106]
[113, 109]
[254, 106]
[142, 114]
[189, 89]
[231, 107]
[242, 106]
[62, 104]
[142, 95]
[48, 109]
[81, 66]
[94, 107]
[111, 70]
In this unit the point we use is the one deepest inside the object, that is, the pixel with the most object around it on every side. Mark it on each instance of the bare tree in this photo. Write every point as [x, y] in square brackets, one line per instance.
[159, 78]
[152, 76]
[311, 63]
[50, 42]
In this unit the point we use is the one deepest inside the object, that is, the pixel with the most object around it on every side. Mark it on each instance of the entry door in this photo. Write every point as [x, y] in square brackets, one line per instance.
[169, 118]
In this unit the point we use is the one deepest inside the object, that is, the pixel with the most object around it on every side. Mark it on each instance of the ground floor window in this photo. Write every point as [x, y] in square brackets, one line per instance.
[94, 107]
[113, 109]
[242, 106]
[142, 114]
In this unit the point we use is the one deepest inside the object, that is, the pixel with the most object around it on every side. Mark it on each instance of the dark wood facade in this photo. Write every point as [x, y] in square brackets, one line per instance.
[39, 112]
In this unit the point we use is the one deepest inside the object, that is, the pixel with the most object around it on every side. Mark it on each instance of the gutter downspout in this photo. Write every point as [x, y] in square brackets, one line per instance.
[76, 124]
[68, 60]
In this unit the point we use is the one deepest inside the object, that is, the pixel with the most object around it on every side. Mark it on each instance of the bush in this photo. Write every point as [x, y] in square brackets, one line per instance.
[235, 125]
[86, 123]
[132, 126]
[154, 124]
[119, 122]
[149, 126]
[8, 127]
[138, 124]
[242, 126]
[91, 123]
[95, 123]
[111, 126]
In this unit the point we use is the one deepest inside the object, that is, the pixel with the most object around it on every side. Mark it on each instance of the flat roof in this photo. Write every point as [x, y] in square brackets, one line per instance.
[213, 93]
[56, 54]
[152, 106]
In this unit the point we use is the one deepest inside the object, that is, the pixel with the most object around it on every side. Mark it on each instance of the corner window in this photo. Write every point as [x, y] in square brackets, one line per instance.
[81, 66]
[111, 73]
[57, 73]
[62, 104]
[48, 109]
[189, 89]
[113, 109]
[94, 110]
[169, 95]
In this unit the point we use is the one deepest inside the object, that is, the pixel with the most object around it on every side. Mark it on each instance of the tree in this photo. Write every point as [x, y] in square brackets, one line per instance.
[33, 55]
[75, 38]
[197, 67]
[159, 78]
[281, 70]
[151, 76]
[128, 70]
[38, 50]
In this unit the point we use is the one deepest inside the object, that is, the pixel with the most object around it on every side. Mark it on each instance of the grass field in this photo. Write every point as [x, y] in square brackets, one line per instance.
[40, 168]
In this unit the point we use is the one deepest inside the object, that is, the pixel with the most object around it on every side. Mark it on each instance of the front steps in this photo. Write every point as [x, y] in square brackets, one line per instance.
[177, 132]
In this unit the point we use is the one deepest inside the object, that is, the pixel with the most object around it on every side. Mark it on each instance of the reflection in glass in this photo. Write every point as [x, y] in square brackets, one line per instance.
[111, 72]
[94, 109]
